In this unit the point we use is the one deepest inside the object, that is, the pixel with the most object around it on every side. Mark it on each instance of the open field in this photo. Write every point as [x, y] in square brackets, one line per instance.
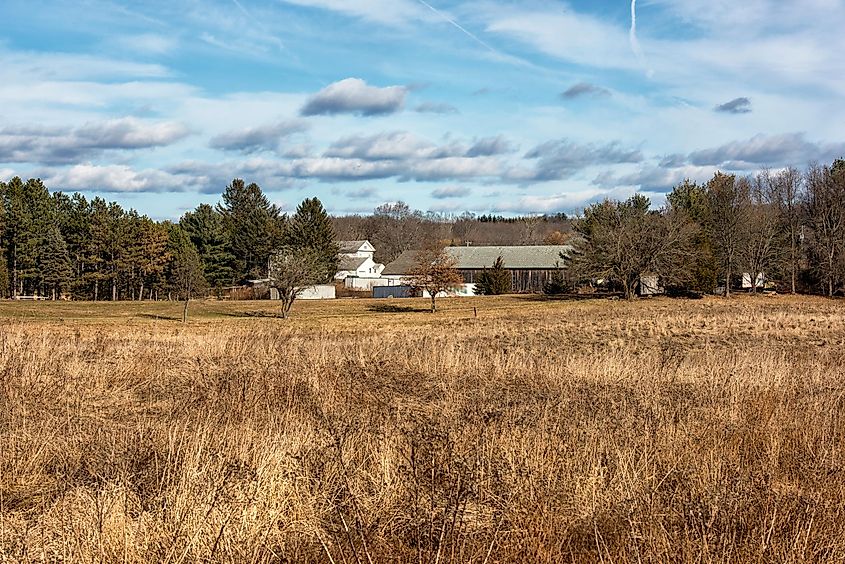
[359, 430]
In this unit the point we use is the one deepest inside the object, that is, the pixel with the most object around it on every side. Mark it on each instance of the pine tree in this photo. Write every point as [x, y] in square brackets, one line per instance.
[29, 212]
[4, 272]
[152, 255]
[495, 281]
[73, 216]
[253, 228]
[205, 228]
[55, 264]
[311, 228]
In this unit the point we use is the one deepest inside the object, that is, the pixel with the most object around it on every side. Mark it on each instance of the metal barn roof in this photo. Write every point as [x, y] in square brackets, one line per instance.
[540, 257]
[515, 257]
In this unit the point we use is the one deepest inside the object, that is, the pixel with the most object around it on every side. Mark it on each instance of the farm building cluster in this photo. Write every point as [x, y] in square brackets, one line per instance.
[530, 267]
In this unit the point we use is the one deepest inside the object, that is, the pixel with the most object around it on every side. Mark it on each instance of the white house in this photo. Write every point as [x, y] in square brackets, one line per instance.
[356, 265]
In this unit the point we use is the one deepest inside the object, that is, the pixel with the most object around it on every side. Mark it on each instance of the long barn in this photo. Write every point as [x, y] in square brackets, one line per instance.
[530, 266]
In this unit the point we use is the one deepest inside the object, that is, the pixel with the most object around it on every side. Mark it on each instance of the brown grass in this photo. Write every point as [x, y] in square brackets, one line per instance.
[653, 431]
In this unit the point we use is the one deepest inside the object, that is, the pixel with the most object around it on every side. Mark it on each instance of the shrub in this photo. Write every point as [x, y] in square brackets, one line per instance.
[495, 281]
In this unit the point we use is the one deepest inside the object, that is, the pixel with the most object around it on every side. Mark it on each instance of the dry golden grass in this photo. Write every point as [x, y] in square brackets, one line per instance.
[652, 431]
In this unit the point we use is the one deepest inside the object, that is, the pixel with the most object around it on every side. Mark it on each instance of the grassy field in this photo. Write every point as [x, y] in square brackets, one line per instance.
[371, 431]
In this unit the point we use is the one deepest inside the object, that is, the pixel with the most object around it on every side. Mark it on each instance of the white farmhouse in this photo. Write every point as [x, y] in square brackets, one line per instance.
[356, 266]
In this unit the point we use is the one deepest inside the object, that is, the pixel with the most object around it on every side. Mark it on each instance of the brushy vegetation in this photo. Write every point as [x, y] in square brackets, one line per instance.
[651, 431]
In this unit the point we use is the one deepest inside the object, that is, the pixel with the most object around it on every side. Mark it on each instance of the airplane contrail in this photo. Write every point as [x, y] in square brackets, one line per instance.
[457, 25]
[635, 43]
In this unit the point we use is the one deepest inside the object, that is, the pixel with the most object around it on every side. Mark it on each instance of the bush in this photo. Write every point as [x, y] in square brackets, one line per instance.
[557, 284]
[495, 281]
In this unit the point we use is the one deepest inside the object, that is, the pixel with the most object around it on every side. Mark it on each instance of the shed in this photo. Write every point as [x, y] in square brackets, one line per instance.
[319, 292]
[650, 284]
[393, 292]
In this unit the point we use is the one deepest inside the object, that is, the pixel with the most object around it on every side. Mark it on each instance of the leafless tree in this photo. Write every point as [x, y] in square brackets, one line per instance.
[730, 207]
[292, 270]
[187, 276]
[763, 245]
[434, 272]
[786, 189]
[824, 207]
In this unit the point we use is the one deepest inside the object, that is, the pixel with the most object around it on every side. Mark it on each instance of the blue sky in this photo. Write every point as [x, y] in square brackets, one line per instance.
[489, 106]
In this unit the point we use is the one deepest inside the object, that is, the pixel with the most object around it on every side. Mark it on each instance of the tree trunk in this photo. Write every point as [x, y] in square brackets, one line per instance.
[15, 271]
[728, 282]
[793, 261]
[433, 304]
[96, 289]
[141, 293]
[185, 311]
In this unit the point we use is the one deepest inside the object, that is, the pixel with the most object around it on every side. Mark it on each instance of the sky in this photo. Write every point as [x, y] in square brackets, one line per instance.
[506, 107]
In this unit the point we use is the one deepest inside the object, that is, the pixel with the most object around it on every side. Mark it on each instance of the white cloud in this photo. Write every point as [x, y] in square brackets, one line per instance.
[39, 144]
[114, 178]
[449, 192]
[262, 137]
[355, 96]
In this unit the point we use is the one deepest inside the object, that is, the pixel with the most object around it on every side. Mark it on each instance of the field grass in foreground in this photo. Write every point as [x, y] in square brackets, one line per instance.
[367, 431]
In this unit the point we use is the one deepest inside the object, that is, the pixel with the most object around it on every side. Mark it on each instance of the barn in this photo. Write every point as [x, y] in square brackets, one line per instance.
[531, 266]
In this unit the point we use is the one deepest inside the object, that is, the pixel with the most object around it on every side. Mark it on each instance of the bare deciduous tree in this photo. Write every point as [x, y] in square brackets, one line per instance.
[763, 246]
[187, 276]
[787, 193]
[434, 272]
[824, 206]
[292, 270]
[728, 223]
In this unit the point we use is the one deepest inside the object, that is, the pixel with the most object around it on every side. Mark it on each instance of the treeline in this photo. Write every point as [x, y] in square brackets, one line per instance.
[785, 227]
[65, 245]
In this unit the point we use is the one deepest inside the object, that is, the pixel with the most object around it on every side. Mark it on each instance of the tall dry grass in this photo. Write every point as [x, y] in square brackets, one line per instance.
[662, 431]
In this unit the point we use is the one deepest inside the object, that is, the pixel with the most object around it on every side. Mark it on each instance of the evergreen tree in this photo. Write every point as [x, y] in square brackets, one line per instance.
[55, 264]
[29, 212]
[311, 228]
[495, 281]
[73, 216]
[253, 228]
[4, 273]
[205, 228]
[152, 255]
[691, 200]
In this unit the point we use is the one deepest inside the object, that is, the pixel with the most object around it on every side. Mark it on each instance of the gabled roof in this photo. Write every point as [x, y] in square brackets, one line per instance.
[403, 264]
[529, 256]
[348, 247]
[541, 257]
[351, 263]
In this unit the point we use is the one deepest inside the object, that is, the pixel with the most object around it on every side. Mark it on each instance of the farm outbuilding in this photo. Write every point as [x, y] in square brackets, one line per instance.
[530, 266]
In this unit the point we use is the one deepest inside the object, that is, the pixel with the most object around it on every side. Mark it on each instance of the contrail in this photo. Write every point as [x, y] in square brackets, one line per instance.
[457, 25]
[632, 35]
[259, 23]
[635, 43]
